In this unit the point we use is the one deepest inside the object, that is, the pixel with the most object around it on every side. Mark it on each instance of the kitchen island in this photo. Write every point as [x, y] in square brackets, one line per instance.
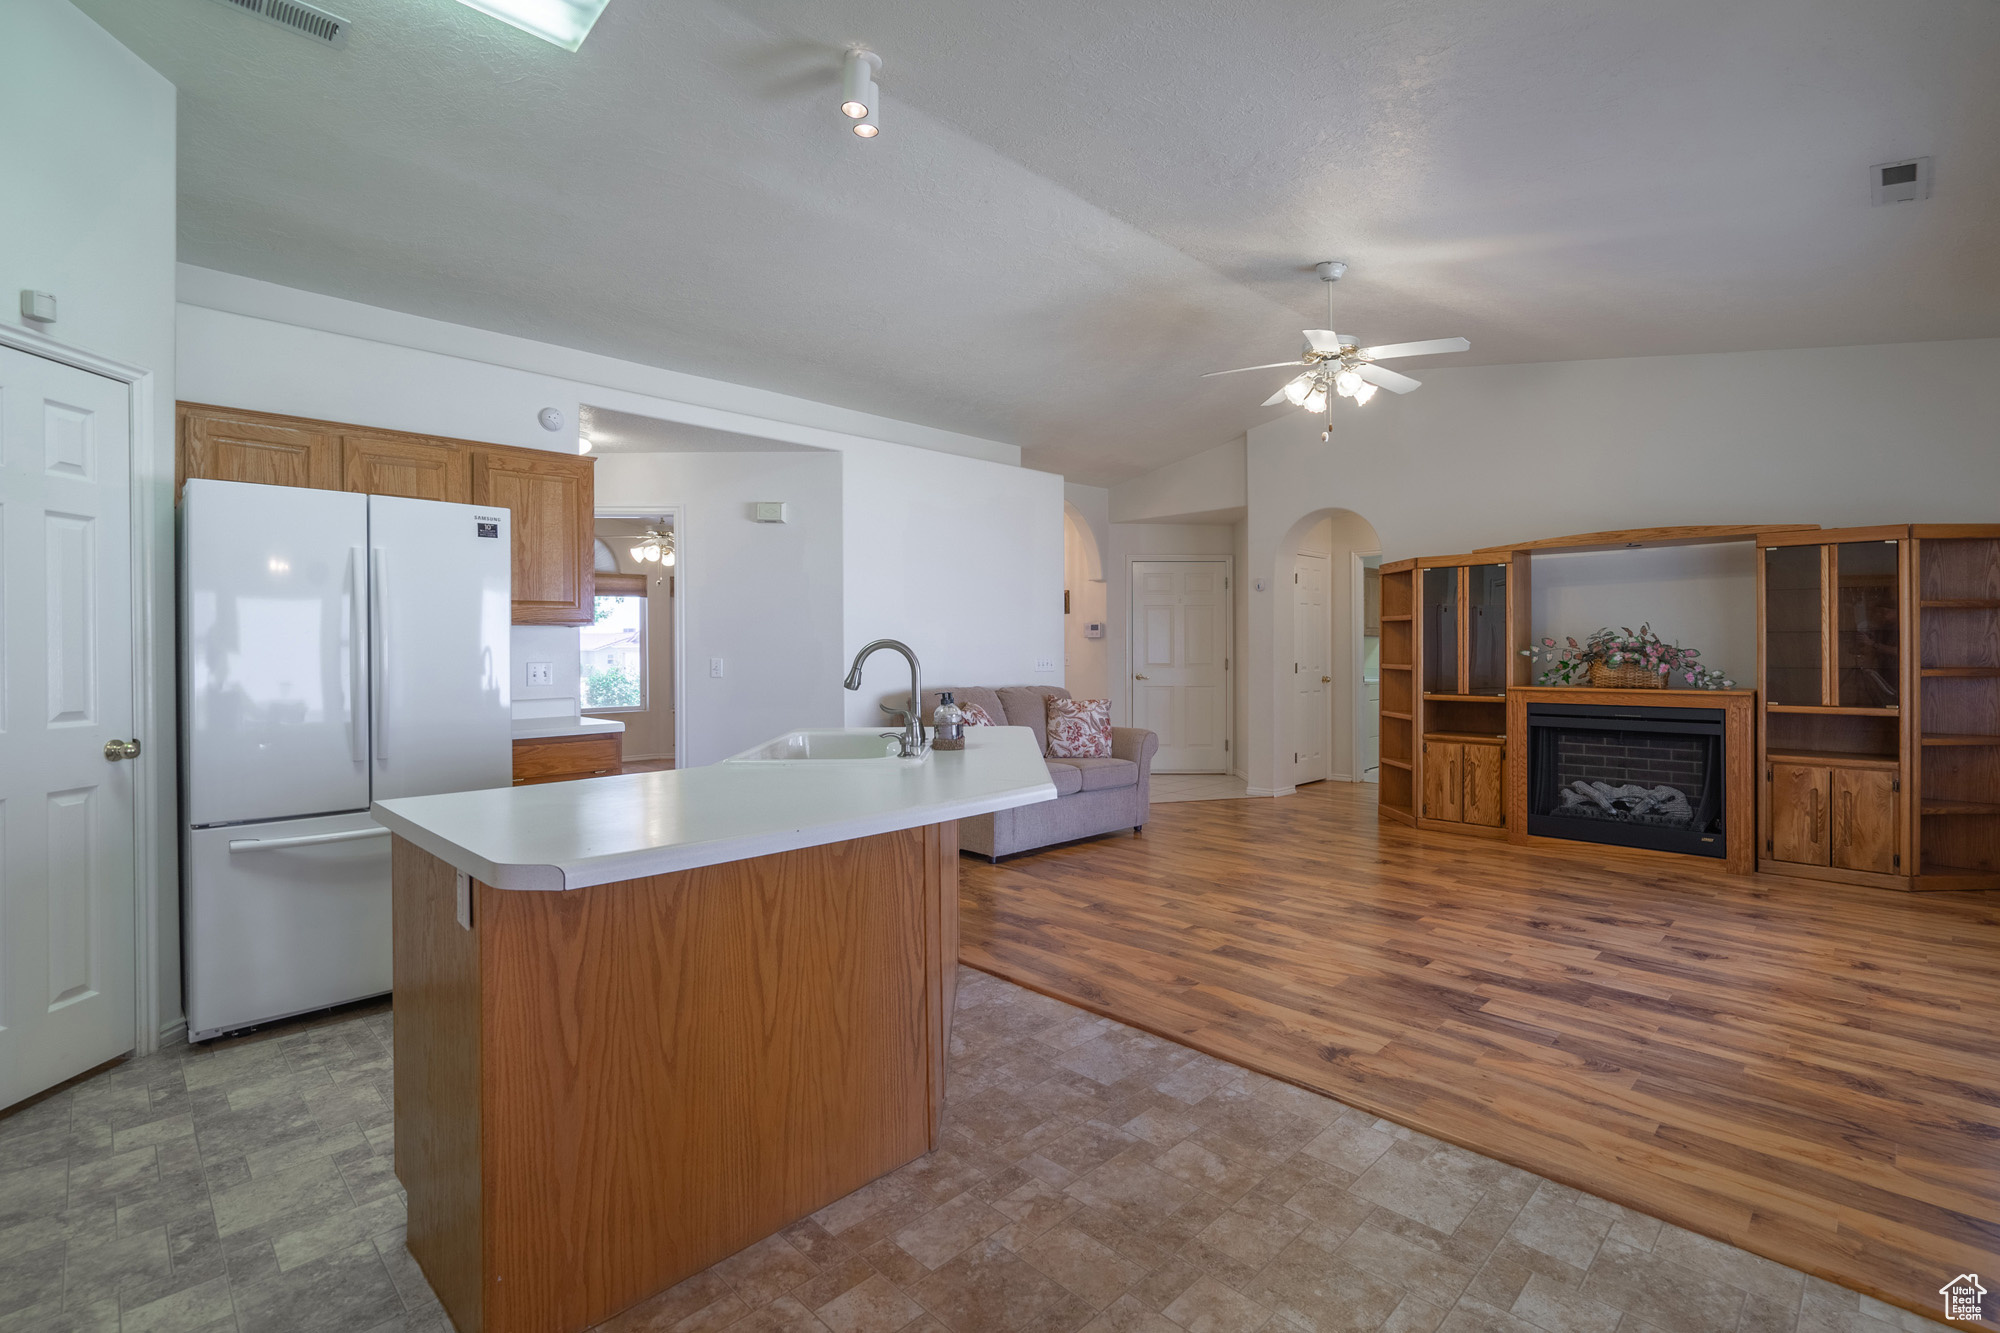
[646, 1020]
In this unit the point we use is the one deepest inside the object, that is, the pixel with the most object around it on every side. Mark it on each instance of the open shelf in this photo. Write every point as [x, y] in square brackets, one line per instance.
[1398, 617]
[1835, 758]
[1397, 666]
[1961, 807]
[1468, 737]
[1467, 698]
[1400, 717]
[1403, 764]
[1832, 712]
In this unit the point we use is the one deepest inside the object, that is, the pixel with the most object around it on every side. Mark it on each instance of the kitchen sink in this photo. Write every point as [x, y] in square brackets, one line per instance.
[831, 745]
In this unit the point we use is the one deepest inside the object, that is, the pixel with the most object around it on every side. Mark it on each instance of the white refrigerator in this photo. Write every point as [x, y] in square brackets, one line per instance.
[336, 649]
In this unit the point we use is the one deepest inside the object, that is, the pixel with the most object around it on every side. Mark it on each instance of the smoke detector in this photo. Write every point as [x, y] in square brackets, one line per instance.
[1900, 182]
[307, 20]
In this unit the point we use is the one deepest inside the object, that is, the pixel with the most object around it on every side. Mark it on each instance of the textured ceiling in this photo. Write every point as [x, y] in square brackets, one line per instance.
[1074, 210]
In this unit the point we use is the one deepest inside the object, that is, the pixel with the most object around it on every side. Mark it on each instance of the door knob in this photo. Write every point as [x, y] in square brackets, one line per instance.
[1136, 677]
[1326, 680]
[116, 750]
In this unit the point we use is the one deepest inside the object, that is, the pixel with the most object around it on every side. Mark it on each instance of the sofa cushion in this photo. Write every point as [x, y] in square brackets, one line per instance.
[1028, 706]
[1079, 728]
[1099, 774]
[1067, 776]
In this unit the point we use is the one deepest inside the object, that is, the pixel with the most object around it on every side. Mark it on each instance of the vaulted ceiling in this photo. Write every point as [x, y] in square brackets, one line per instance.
[1075, 209]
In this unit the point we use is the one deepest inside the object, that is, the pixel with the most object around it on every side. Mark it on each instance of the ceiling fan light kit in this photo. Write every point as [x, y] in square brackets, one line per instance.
[1336, 365]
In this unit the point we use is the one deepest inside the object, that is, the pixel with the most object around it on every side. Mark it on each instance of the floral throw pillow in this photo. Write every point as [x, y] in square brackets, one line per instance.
[975, 716]
[1079, 728]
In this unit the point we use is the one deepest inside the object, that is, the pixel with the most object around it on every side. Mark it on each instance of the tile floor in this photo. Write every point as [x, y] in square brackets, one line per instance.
[1092, 1177]
[1197, 787]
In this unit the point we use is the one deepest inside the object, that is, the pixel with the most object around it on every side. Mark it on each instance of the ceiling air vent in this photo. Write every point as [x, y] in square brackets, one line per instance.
[1900, 182]
[300, 17]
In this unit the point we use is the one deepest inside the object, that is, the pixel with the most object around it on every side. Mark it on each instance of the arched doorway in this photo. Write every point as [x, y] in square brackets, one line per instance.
[1320, 686]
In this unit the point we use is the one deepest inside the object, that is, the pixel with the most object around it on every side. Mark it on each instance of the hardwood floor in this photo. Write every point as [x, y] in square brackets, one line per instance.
[1810, 1071]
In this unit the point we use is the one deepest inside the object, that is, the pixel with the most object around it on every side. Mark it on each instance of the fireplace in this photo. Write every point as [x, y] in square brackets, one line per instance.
[1628, 775]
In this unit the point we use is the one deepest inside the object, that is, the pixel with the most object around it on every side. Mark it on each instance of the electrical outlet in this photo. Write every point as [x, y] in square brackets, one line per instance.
[715, 666]
[1044, 664]
[541, 673]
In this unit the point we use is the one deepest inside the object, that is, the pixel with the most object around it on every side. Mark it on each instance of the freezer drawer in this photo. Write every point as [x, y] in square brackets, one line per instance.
[284, 918]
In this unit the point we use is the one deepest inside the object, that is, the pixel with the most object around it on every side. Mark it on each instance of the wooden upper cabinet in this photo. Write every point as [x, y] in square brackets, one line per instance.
[220, 446]
[405, 465]
[550, 496]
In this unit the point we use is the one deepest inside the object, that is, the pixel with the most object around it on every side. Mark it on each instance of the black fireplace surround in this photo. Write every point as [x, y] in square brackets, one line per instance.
[1630, 776]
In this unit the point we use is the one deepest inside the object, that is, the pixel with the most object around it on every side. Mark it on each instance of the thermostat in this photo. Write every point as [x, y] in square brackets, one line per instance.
[770, 511]
[1093, 629]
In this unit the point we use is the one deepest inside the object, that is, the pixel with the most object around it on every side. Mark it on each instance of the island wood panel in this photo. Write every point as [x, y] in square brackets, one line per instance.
[437, 1037]
[670, 1069]
[1803, 1069]
[941, 942]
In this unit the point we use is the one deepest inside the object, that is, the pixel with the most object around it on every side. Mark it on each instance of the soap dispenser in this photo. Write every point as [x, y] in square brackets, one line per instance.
[948, 722]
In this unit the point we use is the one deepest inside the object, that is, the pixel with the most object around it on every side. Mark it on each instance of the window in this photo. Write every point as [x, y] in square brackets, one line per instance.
[614, 654]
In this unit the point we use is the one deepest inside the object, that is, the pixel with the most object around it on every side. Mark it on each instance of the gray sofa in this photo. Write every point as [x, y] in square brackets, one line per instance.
[1092, 795]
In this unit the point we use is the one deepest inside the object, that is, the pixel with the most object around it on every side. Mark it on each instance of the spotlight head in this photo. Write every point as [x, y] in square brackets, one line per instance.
[857, 83]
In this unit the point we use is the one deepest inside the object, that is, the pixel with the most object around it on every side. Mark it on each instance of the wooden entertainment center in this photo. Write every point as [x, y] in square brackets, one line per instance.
[1868, 753]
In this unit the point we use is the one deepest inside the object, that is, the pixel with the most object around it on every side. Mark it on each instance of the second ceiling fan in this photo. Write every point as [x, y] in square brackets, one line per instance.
[1336, 365]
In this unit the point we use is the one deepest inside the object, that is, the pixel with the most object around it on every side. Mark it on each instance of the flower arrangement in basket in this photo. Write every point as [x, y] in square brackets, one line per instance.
[1623, 660]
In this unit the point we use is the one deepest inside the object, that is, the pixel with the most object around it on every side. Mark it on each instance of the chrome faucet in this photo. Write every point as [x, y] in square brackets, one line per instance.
[912, 734]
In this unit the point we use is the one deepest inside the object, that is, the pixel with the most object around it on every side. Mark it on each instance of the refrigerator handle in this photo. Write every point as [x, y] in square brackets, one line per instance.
[357, 658]
[378, 644]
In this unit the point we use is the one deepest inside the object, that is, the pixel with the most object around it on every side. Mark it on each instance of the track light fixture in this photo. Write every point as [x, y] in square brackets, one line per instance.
[859, 97]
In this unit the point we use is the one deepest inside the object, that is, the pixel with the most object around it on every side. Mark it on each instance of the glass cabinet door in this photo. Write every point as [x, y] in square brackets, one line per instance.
[1486, 629]
[1441, 631]
[1793, 608]
[1869, 605]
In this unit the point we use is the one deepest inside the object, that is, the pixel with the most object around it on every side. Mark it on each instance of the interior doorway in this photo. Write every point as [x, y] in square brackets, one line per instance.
[629, 666]
[1180, 661]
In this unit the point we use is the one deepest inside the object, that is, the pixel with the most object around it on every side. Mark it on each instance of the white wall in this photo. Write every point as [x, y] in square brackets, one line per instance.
[1489, 454]
[1702, 597]
[959, 556]
[764, 597]
[88, 161]
[1209, 485]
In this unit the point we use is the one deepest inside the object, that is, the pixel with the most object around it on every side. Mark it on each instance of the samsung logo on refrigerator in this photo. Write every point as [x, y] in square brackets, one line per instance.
[488, 527]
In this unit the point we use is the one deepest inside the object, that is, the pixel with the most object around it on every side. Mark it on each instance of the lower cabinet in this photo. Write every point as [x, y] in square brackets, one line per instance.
[562, 758]
[1465, 781]
[1834, 816]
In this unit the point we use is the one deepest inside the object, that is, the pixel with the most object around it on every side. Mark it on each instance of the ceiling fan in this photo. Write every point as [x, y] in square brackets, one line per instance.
[1337, 365]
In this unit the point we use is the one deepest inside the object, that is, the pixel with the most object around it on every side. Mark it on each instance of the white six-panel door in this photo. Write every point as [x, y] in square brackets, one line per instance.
[66, 832]
[1312, 675]
[1180, 661]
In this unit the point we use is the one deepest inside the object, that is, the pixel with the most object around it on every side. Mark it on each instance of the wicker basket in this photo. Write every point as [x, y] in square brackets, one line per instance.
[1626, 677]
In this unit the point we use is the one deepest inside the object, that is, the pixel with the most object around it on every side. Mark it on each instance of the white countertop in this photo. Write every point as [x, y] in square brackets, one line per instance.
[547, 728]
[570, 835]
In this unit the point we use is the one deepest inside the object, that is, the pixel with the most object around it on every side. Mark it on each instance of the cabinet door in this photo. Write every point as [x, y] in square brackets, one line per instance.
[1444, 769]
[1864, 820]
[219, 447]
[406, 466]
[1485, 800]
[550, 496]
[1799, 813]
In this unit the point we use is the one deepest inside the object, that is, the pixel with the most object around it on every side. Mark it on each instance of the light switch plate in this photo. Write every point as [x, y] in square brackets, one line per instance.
[770, 511]
[1044, 664]
[541, 673]
[715, 666]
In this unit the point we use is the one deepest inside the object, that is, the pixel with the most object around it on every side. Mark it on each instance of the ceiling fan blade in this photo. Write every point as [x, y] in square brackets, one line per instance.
[1323, 340]
[1385, 378]
[1272, 365]
[1389, 351]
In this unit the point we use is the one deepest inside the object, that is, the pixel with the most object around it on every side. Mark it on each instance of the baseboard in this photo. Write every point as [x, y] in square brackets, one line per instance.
[173, 1032]
[1270, 791]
